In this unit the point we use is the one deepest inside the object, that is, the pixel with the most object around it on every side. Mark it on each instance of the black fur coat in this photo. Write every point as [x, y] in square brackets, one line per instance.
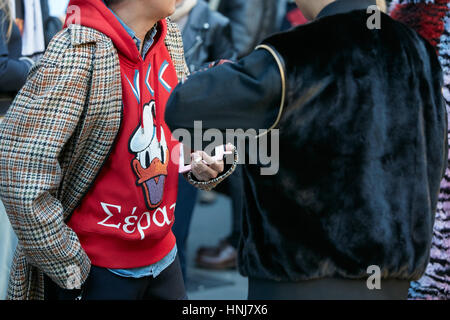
[362, 148]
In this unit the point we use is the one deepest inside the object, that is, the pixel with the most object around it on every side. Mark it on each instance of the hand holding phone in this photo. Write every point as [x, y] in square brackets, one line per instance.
[220, 153]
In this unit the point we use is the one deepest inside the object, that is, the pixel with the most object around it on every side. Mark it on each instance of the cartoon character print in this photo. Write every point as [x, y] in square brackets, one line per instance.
[152, 158]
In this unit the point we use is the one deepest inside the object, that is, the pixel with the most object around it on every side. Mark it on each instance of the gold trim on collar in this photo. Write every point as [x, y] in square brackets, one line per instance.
[283, 85]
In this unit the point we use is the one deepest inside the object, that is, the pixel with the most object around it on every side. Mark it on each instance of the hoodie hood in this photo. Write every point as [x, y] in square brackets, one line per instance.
[96, 15]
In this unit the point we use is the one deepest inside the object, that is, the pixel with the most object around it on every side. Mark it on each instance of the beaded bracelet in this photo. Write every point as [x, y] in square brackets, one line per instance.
[211, 184]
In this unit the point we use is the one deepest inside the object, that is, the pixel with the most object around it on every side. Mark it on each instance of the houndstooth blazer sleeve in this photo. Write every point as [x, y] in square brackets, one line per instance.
[34, 132]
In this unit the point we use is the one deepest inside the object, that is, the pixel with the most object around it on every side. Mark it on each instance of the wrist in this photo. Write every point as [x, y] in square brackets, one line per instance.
[211, 184]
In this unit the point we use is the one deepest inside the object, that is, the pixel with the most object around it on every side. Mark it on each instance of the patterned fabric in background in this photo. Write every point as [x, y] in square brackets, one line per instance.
[431, 19]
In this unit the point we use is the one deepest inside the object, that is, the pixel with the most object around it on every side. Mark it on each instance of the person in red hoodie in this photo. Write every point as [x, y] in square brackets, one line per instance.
[144, 143]
[116, 242]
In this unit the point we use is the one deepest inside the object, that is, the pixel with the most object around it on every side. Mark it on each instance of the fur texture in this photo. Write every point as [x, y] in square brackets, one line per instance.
[363, 150]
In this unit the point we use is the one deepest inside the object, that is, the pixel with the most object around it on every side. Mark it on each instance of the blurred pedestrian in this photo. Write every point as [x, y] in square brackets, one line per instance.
[29, 17]
[207, 38]
[293, 16]
[14, 67]
[252, 21]
[223, 255]
[431, 20]
[51, 24]
[362, 148]
[206, 34]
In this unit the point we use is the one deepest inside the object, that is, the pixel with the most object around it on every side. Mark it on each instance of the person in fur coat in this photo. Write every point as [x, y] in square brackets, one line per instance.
[352, 103]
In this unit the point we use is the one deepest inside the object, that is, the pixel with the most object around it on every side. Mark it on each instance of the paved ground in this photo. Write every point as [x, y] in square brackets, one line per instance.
[211, 223]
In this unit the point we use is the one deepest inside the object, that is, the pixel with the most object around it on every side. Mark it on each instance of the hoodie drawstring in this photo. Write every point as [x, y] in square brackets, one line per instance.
[141, 103]
[141, 90]
[158, 121]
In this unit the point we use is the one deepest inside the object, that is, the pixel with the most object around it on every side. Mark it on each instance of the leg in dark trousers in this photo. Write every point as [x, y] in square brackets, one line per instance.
[102, 284]
[224, 255]
[187, 197]
[236, 191]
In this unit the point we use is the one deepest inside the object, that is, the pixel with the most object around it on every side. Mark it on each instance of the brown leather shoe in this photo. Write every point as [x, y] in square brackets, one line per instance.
[223, 256]
[212, 250]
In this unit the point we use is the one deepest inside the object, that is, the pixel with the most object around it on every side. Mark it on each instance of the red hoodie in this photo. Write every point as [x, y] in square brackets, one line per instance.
[125, 219]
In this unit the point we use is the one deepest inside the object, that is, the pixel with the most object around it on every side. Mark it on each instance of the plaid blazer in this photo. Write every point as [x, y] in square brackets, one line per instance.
[54, 140]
